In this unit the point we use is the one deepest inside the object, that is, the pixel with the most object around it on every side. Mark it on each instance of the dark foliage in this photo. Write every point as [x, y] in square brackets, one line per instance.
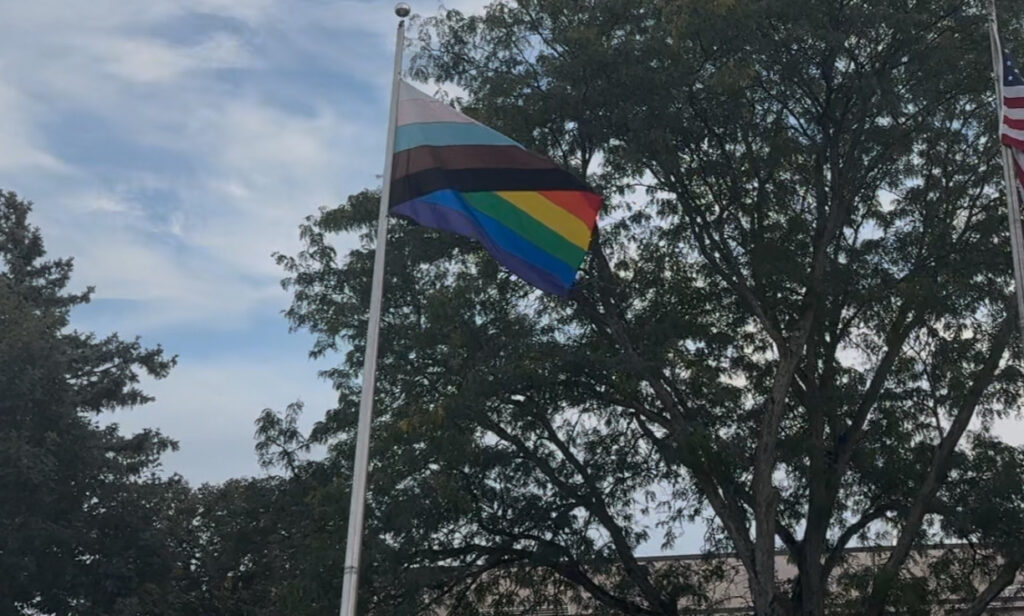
[795, 325]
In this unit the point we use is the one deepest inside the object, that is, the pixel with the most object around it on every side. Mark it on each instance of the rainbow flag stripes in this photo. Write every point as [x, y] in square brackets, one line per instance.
[454, 174]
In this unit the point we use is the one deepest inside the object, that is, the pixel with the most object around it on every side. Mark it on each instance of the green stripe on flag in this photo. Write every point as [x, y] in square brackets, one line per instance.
[528, 227]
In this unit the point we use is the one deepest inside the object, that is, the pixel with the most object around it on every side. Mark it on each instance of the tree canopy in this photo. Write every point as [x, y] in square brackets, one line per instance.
[79, 498]
[795, 324]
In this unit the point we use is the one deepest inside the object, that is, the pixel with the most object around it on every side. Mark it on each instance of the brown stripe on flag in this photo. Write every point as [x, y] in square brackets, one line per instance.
[454, 157]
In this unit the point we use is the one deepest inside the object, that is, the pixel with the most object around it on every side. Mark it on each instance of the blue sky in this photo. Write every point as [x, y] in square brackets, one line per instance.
[171, 146]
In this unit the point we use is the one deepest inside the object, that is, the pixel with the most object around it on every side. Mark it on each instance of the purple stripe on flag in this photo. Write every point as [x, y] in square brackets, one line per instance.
[444, 218]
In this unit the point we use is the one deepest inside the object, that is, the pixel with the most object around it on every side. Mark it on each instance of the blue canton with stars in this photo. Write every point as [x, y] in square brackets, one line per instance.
[1011, 76]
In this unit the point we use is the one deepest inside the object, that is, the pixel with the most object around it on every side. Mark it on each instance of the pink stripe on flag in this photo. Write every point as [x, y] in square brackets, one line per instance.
[422, 111]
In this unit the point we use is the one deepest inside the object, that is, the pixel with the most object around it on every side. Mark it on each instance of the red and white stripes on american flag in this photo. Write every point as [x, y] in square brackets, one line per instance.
[1012, 131]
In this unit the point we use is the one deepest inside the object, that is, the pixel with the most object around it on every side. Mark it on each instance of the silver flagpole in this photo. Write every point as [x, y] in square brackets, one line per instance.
[1012, 205]
[356, 512]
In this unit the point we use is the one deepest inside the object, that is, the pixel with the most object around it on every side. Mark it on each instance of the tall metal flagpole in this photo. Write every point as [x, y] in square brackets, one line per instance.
[1012, 205]
[353, 546]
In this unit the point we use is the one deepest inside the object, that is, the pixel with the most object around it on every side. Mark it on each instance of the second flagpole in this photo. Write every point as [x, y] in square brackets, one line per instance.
[357, 508]
[1012, 206]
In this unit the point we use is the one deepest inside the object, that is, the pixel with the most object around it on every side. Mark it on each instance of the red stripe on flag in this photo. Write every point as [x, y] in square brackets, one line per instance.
[1013, 103]
[1013, 123]
[1013, 142]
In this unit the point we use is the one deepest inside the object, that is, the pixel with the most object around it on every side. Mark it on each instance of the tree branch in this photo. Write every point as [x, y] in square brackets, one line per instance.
[725, 505]
[1007, 574]
[886, 576]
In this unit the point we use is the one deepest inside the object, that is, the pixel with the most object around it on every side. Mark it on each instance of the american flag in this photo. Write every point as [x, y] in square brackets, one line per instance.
[1013, 117]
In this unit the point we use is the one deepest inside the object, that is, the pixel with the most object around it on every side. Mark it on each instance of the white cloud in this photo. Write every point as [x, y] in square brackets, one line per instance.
[466, 6]
[249, 11]
[162, 284]
[268, 170]
[252, 169]
[150, 61]
[255, 167]
[251, 138]
[108, 204]
[210, 407]
[1010, 430]
[19, 142]
[42, 17]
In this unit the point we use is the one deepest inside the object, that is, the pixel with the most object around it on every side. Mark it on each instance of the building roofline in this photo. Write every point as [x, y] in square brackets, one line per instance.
[854, 550]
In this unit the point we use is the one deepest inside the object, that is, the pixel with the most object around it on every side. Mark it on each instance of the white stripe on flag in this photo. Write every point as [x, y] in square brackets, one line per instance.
[1016, 134]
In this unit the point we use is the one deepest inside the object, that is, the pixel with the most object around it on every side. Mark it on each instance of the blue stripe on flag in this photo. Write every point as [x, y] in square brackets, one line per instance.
[447, 210]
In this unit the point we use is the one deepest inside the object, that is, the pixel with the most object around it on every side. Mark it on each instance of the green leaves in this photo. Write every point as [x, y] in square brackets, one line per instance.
[77, 500]
[795, 308]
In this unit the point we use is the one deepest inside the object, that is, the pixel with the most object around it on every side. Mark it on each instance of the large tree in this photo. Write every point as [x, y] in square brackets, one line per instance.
[78, 499]
[795, 324]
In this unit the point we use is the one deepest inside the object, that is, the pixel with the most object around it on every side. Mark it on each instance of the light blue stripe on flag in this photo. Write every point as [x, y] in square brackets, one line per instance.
[447, 133]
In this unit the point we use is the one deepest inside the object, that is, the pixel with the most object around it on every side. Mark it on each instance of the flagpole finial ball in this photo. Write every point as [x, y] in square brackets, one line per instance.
[402, 9]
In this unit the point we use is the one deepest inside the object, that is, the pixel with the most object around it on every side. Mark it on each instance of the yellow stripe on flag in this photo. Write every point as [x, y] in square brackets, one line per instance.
[550, 215]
